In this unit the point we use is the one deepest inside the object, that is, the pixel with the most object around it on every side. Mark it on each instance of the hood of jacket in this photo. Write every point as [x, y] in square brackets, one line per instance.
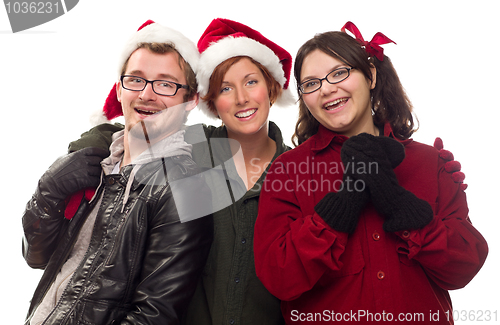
[173, 145]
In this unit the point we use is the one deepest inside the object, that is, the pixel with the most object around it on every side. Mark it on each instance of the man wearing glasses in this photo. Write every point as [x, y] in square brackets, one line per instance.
[128, 254]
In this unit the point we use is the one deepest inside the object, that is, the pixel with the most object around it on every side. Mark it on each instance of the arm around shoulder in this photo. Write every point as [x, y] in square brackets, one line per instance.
[99, 136]
[450, 249]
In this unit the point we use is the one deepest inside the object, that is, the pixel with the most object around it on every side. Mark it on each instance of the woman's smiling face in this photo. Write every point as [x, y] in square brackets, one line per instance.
[243, 101]
[344, 107]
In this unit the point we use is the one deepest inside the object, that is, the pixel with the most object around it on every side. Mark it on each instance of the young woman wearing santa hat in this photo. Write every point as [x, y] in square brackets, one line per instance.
[376, 229]
[241, 75]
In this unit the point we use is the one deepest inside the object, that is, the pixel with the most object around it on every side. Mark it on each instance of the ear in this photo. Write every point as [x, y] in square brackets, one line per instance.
[374, 76]
[192, 102]
[118, 91]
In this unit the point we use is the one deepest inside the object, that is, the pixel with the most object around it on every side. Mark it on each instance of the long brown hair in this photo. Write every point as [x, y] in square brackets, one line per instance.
[389, 100]
[219, 72]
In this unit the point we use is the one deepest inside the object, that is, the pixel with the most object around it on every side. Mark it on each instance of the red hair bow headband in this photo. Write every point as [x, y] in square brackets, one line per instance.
[372, 47]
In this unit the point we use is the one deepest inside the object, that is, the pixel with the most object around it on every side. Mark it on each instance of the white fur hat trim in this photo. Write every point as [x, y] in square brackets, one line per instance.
[229, 47]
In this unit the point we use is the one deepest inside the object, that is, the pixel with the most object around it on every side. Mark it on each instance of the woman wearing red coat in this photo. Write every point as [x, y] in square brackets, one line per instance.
[359, 223]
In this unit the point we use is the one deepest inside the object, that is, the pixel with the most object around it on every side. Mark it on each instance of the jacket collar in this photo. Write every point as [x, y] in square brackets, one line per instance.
[389, 133]
[275, 134]
[324, 137]
[220, 150]
[116, 152]
[147, 163]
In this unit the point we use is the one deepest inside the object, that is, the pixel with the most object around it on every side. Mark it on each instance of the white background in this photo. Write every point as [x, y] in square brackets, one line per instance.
[52, 77]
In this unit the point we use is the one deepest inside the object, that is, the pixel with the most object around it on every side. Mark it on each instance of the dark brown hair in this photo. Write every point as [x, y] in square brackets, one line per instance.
[389, 100]
[163, 48]
[219, 72]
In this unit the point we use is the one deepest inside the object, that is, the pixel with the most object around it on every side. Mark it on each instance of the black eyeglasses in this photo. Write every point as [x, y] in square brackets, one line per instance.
[334, 77]
[160, 87]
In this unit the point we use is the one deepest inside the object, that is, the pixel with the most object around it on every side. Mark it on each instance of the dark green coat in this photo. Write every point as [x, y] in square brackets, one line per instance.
[229, 291]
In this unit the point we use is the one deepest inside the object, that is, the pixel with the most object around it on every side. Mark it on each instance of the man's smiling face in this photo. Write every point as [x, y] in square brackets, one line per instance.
[140, 106]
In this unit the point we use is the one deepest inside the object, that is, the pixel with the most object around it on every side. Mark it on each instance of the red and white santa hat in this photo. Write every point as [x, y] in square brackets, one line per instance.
[224, 39]
[149, 32]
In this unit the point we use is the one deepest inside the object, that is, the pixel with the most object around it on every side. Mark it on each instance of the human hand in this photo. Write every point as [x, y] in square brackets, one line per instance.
[401, 208]
[69, 174]
[451, 166]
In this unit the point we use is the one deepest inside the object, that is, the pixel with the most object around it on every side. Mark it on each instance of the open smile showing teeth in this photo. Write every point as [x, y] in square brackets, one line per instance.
[335, 104]
[246, 113]
[145, 112]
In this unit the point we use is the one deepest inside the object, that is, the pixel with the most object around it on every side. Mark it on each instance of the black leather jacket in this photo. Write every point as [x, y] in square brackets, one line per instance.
[142, 265]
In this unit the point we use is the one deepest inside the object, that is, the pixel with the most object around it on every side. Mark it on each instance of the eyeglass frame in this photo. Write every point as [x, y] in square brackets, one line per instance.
[325, 78]
[178, 85]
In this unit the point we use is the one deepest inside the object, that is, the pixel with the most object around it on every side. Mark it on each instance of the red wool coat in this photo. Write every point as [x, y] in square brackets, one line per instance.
[325, 276]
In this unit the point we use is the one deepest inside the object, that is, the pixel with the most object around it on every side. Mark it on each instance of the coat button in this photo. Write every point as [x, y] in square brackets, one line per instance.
[243, 241]
[380, 275]
[405, 234]
[111, 181]
[376, 236]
